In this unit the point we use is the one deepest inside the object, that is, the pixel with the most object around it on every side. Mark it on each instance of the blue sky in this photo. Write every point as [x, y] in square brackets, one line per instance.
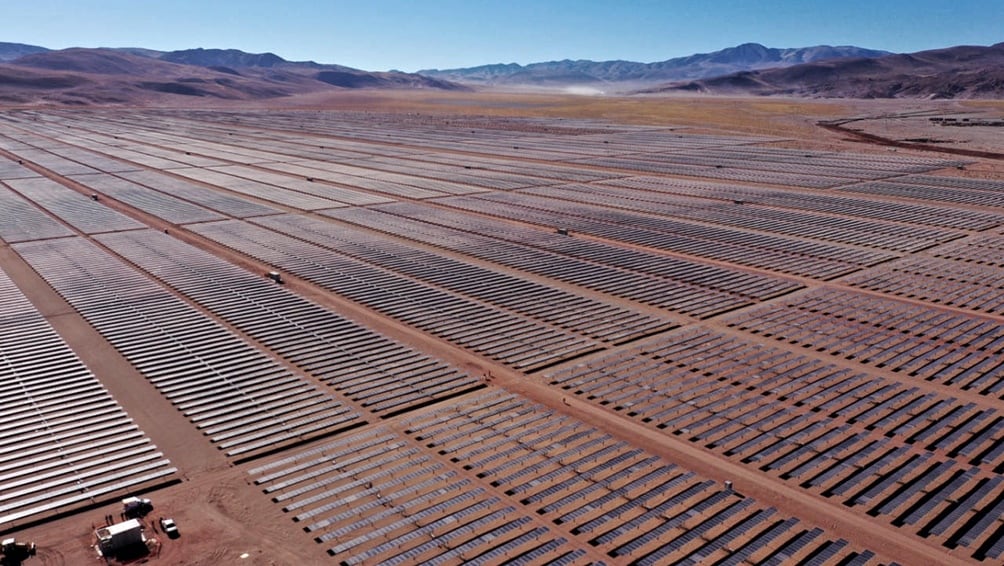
[412, 35]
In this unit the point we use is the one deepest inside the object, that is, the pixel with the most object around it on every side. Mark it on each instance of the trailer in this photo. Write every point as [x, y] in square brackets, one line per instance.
[113, 538]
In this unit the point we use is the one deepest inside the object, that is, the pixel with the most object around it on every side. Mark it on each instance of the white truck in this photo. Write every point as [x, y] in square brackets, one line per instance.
[136, 507]
[169, 528]
[16, 552]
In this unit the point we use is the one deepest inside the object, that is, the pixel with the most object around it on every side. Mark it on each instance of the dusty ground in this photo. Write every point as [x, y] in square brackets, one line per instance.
[906, 123]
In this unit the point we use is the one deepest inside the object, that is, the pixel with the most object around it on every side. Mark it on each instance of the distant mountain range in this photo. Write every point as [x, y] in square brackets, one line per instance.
[745, 57]
[32, 74]
[955, 72]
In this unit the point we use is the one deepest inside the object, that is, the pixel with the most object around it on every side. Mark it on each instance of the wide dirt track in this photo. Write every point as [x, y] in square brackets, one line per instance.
[521, 329]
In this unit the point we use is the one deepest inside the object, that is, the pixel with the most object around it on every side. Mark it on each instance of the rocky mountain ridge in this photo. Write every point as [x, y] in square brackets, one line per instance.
[139, 76]
[955, 72]
[745, 57]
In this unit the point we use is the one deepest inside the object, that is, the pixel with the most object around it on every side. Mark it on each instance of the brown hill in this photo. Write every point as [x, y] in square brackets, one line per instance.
[955, 72]
[98, 61]
[11, 51]
[107, 76]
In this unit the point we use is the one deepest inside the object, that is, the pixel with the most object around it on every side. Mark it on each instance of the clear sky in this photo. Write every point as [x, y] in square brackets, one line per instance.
[409, 35]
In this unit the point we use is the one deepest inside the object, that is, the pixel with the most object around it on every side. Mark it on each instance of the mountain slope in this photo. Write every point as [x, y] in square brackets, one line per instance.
[241, 63]
[98, 61]
[120, 76]
[222, 58]
[11, 51]
[955, 72]
[748, 56]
